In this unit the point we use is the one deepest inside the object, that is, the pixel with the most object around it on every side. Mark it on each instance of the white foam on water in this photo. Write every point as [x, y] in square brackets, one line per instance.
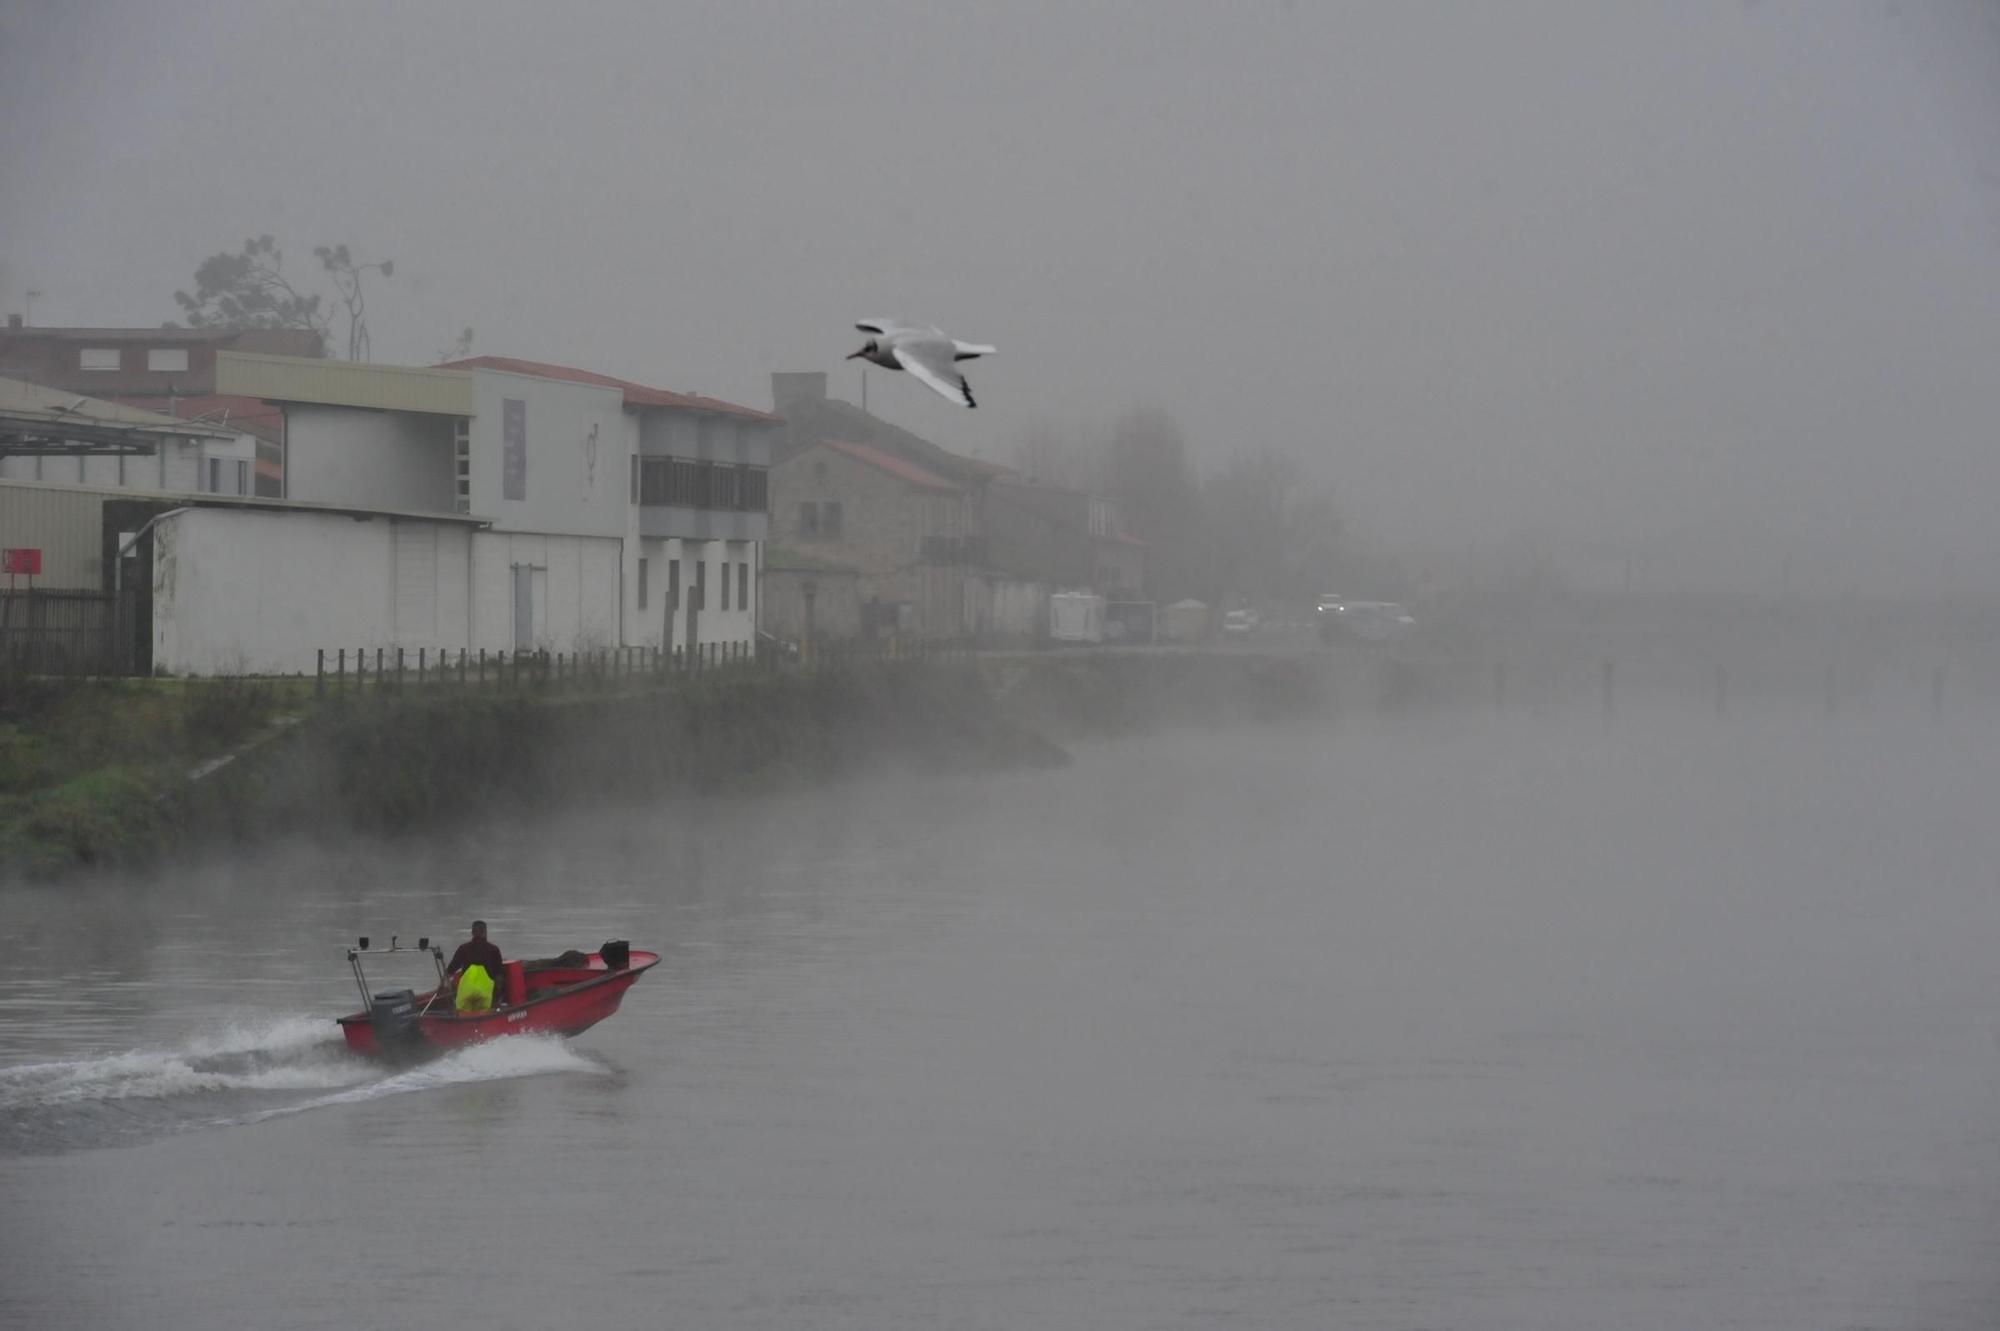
[495, 1060]
[286, 1053]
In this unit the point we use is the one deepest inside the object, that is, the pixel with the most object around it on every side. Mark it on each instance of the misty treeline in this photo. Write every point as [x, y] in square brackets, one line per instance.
[250, 289]
[1254, 529]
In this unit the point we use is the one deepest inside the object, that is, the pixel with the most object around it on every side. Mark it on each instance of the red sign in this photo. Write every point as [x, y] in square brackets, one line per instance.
[25, 560]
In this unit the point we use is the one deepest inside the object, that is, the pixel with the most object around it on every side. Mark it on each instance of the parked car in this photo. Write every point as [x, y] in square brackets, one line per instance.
[1362, 621]
[1241, 623]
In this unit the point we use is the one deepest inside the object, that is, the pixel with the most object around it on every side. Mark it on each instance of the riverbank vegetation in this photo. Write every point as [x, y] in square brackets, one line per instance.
[98, 775]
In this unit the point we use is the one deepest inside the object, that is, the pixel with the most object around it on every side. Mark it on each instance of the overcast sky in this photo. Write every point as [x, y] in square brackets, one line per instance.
[1715, 283]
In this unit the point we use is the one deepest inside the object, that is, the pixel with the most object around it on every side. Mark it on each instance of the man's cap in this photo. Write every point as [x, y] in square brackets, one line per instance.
[479, 924]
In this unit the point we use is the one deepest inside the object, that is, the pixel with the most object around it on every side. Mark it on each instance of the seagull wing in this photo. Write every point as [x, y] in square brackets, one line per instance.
[880, 327]
[931, 362]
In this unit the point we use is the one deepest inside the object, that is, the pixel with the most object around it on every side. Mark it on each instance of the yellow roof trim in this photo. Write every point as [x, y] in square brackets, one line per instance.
[343, 383]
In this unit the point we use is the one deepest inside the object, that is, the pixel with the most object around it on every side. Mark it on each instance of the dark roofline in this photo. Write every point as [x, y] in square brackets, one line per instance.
[182, 499]
[637, 396]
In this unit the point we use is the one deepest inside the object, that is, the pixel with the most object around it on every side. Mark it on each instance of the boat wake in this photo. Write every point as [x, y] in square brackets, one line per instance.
[241, 1074]
[516, 1056]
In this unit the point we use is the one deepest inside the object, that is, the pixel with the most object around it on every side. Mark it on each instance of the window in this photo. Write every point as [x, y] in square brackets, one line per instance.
[723, 490]
[461, 461]
[165, 360]
[642, 582]
[743, 586]
[214, 485]
[722, 592]
[514, 451]
[829, 516]
[809, 518]
[685, 483]
[635, 478]
[699, 599]
[242, 477]
[673, 584]
[97, 358]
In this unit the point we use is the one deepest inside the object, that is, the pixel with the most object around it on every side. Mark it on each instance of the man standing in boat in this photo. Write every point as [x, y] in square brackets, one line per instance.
[475, 951]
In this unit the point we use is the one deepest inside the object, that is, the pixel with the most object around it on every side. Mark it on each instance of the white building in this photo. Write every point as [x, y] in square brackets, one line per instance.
[489, 504]
[100, 444]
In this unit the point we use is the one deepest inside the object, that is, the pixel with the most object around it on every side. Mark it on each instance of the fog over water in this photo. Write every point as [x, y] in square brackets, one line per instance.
[1510, 1018]
[1630, 963]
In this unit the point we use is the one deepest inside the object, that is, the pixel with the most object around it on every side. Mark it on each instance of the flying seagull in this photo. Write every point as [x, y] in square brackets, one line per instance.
[925, 352]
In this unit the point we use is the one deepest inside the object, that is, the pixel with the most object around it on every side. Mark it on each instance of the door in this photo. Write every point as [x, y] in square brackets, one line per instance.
[524, 607]
[673, 599]
[696, 594]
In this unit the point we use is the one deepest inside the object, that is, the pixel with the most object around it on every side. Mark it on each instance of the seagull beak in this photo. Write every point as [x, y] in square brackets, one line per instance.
[852, 354]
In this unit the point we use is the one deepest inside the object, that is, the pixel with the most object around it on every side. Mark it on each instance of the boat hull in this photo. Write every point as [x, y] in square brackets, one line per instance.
[558, 1001]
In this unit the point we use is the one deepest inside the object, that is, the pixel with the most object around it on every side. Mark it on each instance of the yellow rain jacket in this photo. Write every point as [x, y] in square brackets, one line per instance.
[475, 990]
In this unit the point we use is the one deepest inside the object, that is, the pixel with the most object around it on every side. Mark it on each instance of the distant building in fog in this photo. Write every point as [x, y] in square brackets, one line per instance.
[166, 370]
[944, 546]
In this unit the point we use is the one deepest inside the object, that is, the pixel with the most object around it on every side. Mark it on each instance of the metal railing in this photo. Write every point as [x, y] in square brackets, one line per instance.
[65, 632]
[344, 668]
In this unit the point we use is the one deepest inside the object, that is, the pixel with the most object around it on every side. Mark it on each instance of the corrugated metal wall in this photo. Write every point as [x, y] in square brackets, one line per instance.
[66, 525]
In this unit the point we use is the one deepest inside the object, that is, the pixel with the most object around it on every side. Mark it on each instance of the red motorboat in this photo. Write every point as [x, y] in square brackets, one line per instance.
[561, 995]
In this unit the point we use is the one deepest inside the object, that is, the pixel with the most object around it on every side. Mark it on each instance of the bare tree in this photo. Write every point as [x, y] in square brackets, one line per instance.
[346, 276]
[460, 348]
[249, 289]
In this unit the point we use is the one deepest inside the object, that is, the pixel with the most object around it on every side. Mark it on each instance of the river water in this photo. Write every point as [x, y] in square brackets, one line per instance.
[1469, 1020]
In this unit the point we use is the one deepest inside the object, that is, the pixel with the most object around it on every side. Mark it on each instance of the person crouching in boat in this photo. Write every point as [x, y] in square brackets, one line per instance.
[474, 971]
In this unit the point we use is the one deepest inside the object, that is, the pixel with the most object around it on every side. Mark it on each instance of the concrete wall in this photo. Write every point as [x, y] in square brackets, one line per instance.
[670, 432]
[262, 592]
[1010, 611]
[574, 597]
[836, 603]
[369, 459]
[580, 446]
[715, 621]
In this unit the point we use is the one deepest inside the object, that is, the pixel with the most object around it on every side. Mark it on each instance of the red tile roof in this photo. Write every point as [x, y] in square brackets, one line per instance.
[636, 395]
[249, 414]
[908, 472]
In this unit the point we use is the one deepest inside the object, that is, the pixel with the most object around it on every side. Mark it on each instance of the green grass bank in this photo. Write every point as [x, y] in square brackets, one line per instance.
[115, 775]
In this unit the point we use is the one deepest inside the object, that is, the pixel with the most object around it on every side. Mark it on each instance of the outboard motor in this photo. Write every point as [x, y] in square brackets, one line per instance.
[617, 954]
[393, 1014]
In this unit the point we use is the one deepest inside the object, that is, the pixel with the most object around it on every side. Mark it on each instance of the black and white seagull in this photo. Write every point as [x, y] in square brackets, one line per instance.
[925, 352]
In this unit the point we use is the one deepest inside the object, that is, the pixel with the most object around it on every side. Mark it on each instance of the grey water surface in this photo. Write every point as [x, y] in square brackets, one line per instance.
[1475, 1019]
